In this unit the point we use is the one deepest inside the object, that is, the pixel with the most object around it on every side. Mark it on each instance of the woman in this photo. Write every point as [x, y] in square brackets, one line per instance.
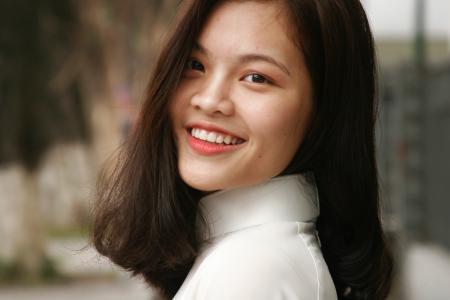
[258, 113]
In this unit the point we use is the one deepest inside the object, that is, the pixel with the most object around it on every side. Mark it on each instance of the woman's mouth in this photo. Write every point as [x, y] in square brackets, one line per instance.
[211, 142]
[215, 137]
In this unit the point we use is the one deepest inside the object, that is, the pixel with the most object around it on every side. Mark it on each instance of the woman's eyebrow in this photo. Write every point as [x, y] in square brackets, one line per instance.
[261, 57]
[251, 57]
[200, 48]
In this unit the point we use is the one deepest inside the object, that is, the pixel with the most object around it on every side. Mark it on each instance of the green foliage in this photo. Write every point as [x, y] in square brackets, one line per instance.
[11, 271]
[81, 231]
[48, 271]
[14, 272]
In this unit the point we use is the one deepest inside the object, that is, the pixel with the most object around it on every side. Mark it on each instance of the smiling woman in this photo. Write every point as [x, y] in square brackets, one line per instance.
[251, 173]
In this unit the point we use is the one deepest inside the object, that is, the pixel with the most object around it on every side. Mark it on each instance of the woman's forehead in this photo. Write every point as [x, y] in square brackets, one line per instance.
[239, 28]
[258, 16]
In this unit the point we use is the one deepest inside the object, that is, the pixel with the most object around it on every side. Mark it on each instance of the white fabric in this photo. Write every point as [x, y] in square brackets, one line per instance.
[263, 245]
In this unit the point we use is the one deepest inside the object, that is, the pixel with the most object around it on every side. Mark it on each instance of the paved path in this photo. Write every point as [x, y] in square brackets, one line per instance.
[426, 273]
[97, 290]
[76, 263]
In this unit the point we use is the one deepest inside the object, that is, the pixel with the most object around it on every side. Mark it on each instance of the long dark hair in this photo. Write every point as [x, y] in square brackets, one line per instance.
[145, 218]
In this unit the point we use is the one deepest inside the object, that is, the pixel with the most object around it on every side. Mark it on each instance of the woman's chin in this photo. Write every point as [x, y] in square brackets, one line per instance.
[215, 181]
[208, 184]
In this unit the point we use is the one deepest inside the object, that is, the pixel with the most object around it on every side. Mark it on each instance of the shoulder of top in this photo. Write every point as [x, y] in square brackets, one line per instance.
[257, 269]
[268, 250]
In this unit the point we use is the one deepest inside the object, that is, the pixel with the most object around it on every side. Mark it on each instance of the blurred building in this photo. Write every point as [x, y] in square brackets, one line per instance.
[395, 51]
[415, 135]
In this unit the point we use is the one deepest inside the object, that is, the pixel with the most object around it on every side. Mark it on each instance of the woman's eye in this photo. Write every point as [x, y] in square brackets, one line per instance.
[193, 64]
[256, 78]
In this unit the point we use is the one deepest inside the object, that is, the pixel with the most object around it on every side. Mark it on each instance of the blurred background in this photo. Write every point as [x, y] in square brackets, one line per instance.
[72, 75]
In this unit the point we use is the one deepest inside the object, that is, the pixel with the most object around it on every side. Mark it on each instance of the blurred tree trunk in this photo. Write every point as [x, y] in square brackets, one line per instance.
[36, 38]
[31, 249]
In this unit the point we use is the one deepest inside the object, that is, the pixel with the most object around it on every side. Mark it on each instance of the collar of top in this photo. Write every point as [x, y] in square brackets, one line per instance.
[284, 198]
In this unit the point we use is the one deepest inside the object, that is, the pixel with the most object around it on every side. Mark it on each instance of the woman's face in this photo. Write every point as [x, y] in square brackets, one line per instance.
[243, 105]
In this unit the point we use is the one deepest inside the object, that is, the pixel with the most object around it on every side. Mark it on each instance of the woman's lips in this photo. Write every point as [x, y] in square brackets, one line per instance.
[215, 136]
[209, 127]
[206, 147]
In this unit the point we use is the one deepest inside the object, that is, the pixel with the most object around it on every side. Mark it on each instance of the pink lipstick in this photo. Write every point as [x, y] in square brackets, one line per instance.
[212, 142]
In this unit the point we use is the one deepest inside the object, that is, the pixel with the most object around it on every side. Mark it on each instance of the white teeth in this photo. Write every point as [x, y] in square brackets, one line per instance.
[211, 137]
[219, 139]
[203, 135]
[227, 140]
[214, 137]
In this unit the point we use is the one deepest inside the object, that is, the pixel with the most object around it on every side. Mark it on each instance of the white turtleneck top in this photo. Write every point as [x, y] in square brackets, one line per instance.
[263, 245]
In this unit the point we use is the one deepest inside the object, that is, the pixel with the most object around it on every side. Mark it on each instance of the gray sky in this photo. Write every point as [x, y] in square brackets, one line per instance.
[396, 17]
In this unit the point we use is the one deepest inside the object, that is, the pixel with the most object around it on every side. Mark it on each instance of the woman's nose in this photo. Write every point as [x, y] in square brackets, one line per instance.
[213, 98]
